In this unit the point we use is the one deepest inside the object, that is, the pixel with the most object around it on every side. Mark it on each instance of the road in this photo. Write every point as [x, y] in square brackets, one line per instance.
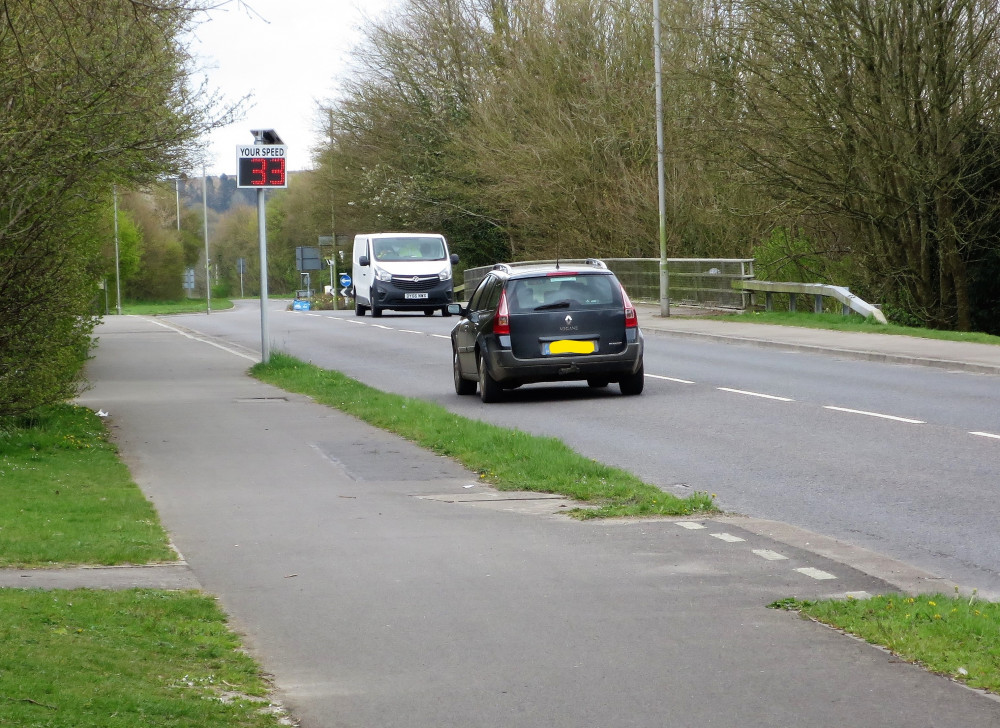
[893, 458]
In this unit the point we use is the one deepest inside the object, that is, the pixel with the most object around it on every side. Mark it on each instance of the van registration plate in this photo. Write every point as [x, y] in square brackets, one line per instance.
[414, 295]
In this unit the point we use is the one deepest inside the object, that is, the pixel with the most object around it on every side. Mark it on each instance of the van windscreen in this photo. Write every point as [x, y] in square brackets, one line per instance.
[408, 248]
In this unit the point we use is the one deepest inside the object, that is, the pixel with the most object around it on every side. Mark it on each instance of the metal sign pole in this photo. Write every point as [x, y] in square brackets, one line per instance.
[265, 344]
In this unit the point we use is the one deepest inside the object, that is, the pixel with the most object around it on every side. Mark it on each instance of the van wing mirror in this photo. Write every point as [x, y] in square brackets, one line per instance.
[363, 261]
[454, 258]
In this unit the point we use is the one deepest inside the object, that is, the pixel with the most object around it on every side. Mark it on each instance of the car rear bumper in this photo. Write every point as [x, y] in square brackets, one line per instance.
[505, 368]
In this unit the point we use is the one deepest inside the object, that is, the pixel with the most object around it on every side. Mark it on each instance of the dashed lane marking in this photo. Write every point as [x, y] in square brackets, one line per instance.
[986, 434]
[770, 555]
[728, 537]
[755, 394]
[440, 336]
[670, 379]
[815, 573]
[875, 414]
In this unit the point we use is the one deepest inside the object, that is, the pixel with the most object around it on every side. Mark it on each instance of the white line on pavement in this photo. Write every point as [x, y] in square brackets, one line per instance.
[769, 555]
[380, 326]
[815, 573]
[440, 336]
[690, 525]
[409, 331]
[670, 379]
[985, 434]
[874, 414]
[727, 537]
[755, 394]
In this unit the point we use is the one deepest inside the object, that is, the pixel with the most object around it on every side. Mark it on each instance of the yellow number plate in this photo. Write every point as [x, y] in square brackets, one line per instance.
[567, 346]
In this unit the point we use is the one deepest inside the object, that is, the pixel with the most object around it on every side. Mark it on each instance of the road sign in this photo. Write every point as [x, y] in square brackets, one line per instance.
[261, 166]
[345, 280]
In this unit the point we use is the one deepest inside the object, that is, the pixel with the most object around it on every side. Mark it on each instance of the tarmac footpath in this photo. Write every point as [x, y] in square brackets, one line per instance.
[382, 585]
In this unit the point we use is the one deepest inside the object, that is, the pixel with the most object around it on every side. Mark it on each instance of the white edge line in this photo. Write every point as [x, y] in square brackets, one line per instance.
[874, 414]
[986, 434]
[204, 341]
[755, 394]
[670, 379]
[440, 336]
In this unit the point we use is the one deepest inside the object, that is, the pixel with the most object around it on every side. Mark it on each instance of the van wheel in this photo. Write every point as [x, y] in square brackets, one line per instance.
[428, 312]
[489, 390]
[359, 310]
[445, 312]
[376, 309]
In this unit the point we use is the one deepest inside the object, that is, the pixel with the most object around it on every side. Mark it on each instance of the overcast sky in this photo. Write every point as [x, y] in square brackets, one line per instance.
[291, 54]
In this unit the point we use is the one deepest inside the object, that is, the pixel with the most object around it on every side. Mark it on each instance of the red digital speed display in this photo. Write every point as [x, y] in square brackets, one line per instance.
[261, 172]
[261, 165]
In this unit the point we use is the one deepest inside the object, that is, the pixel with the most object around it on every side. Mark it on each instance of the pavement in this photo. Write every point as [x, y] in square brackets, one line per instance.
[382, 585]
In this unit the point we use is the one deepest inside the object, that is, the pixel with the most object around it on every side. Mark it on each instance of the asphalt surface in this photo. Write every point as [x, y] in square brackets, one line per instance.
[383, 585]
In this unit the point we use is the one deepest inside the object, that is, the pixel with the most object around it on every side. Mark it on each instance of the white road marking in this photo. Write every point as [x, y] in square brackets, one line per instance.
[380, 326]
[875, 414]
[728, 537]
[409, 331]
[670, 379]
[202, 339]
[770, 555]
[440, 336]
[353, 321]
[755, 394]
[815, 573]
[691, 525]
[985, 434]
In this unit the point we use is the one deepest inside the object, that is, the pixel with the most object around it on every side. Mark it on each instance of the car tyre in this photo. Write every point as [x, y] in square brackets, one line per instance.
[462, 386]
[632, 384]
[489, 390]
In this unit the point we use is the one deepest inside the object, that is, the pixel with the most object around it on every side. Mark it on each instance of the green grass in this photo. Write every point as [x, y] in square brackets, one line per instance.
[837, 322]
[509, 459]
[165, 308]
[96, 659]
[958, 637]
[65, 498]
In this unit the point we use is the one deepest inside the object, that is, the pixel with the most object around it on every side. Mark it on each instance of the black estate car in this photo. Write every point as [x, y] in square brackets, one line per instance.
[546, 323]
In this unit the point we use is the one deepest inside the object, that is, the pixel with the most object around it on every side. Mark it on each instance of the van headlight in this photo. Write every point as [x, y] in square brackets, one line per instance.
[445, 275]
[383, 275]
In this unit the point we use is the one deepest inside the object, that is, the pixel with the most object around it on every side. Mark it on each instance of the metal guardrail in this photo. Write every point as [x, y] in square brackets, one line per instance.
[706, 282]
[818, 291]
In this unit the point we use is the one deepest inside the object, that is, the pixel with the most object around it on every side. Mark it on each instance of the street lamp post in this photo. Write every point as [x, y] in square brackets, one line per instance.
[660, 165]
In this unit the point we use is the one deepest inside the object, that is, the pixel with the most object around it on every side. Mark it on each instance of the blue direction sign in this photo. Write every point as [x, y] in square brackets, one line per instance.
[345, 280]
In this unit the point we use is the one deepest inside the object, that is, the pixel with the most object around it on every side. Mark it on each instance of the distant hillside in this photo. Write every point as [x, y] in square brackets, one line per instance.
[222, 193]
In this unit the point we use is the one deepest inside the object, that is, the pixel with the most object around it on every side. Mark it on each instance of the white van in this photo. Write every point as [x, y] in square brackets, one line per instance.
[402, 272]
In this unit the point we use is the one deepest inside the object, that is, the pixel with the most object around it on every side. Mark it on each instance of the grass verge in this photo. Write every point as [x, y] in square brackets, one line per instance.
[66, 498]
[82, 659]
[836, 322]
[94, 658]
[508, 459]
[165, 308]
[954, 636]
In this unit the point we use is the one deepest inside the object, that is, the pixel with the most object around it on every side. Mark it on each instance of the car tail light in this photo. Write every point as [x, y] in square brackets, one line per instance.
[631, 320]
[501, 323]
